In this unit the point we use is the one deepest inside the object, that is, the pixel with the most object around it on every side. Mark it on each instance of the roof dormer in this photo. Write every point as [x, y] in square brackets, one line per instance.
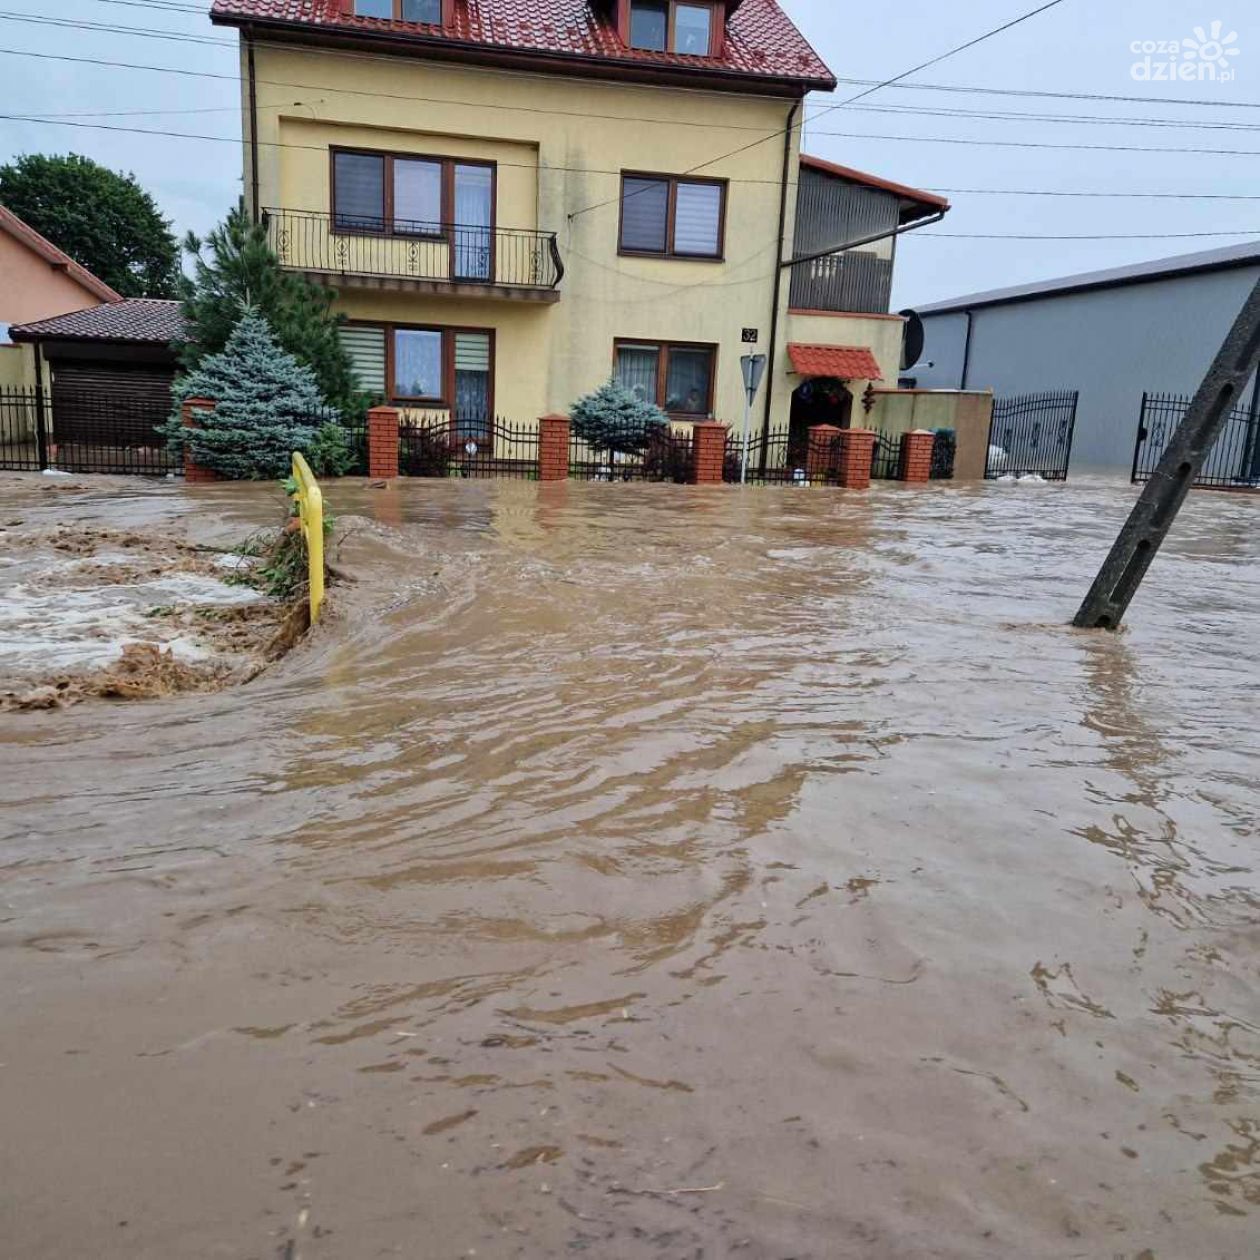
[685, 28]
[422, 12]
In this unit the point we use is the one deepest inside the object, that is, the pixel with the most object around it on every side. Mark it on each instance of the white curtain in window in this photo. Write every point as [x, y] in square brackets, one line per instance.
[474, 193]
[637, 369]
[417, 363]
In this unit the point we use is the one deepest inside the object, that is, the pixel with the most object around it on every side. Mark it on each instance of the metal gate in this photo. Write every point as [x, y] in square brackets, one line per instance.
[1031, 434]
[85, 431]
[1233, 463]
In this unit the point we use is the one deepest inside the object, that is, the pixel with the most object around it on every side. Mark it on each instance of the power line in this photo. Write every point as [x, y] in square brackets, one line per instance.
[1098, 120]
[540, 168]
[179, 37]
[1050, 192]
[1042, 144]
[1065, 96]
[1121, 236]
[886, 83]
[373, 93]
[894, 84]
[945, 56]
[584, 114]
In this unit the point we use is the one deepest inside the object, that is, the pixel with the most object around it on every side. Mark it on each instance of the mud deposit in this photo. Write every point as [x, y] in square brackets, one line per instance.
[636, 871]
[88, 611]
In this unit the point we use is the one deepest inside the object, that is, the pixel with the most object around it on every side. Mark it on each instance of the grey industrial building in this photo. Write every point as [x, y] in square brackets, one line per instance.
[1112, 335]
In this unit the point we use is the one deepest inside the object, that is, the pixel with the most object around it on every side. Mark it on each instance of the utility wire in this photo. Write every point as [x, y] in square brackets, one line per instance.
[774, 135]
[372, 93]
[180, 135]
[106, 28]
[1041, 144]
[895, 85]
[1022, 116]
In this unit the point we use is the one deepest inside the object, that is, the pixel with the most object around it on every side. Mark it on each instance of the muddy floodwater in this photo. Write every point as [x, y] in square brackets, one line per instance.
[643, 871]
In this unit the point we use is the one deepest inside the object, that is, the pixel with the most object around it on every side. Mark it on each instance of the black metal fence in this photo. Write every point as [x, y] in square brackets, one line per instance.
[1032, 434]
[442, 252]
[84, 431]
[1234, 460]
[886, 458]
[633, 455]
[776, 457]
[944, 453]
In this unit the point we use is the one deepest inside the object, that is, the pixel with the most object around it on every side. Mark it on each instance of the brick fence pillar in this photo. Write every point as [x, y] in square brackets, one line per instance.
[708, 446]
[823, 453]
[857, 453]
[553, 448]
[189, 412]
[383, 443]
[916, 455]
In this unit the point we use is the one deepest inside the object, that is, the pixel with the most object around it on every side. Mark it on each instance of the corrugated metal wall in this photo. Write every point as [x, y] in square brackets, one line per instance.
[830, 211]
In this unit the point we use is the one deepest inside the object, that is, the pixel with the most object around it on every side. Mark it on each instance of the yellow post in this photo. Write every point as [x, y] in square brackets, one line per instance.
[310, 501]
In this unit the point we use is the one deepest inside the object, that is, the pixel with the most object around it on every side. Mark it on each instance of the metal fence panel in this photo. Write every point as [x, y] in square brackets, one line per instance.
[1032, 434]
[20, 431]
[1233, 462]
[84, 431]
[633, 455]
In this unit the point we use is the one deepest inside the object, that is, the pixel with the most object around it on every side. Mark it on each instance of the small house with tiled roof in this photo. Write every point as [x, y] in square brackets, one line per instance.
[516, 199]
[111, 366]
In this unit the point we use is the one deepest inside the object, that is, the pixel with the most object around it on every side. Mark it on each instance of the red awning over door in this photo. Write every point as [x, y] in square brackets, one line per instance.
[845, 363]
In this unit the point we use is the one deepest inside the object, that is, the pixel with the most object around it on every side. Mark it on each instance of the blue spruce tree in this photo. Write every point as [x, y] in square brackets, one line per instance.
[615, 419]
[268, 405]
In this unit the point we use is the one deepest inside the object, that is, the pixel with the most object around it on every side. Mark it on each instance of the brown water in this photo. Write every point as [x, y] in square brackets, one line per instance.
[647, 872]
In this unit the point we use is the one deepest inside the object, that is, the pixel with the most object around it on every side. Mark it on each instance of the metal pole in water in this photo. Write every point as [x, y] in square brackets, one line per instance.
[1153, 514]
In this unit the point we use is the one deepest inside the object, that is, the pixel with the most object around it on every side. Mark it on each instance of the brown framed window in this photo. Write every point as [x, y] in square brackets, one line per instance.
[429, 11]
[403, 194]
[677, 376]
[689, 27]
[669, 216]
[427, 366]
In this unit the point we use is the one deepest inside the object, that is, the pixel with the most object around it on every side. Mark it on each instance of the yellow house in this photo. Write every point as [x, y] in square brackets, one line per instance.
[516, 199]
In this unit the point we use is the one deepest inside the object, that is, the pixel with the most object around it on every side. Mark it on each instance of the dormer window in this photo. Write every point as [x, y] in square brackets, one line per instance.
[429, 11]
[688, 27]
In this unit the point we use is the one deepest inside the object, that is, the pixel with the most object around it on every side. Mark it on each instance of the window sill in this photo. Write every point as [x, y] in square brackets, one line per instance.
[643, 253]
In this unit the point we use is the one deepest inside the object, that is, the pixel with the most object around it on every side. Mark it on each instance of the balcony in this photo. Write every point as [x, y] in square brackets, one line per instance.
[856, 281]
[512, 264]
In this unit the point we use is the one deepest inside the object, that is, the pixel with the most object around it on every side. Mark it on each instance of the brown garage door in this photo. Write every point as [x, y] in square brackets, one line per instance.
[110, 404]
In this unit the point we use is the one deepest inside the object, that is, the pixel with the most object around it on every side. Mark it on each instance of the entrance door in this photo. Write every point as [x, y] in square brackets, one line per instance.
[820, 401]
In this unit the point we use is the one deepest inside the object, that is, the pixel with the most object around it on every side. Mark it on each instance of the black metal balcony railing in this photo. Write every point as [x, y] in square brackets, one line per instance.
[402, 250]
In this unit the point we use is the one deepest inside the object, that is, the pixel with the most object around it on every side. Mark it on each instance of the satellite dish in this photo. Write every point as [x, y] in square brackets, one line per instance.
[913, 340]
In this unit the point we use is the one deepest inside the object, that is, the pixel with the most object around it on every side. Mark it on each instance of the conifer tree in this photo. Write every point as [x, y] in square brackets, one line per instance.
[267, 405]
[235, 267]
[613, 418]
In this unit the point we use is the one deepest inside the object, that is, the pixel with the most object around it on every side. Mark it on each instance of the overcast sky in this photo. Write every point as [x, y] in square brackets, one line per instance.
[1079, 47]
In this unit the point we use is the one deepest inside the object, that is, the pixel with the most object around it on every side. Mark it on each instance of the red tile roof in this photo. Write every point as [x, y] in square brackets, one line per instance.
[761, 43]
[55, 258]
[924, 203]
[127, 319]
[845, 363]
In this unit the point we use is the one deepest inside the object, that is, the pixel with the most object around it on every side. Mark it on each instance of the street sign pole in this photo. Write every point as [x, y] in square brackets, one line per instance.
[753, 367]
[1152, 517]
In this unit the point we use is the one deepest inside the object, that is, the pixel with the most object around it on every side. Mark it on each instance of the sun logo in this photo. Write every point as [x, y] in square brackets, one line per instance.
[1211, 45]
